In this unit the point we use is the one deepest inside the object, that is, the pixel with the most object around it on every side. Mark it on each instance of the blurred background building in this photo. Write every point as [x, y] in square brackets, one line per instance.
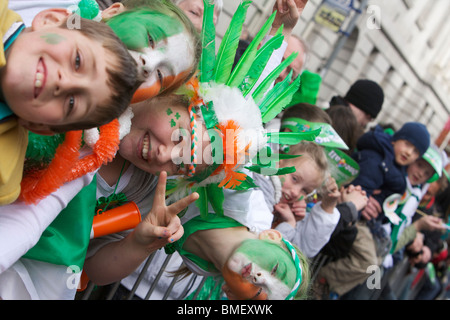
[401, 44]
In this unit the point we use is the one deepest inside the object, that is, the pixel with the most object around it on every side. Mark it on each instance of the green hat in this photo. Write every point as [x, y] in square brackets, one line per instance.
[434, 157]
[309, 88]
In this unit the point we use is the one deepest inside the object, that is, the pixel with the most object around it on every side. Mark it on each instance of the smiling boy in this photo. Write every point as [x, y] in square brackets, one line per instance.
[383, 159]
[55, 79]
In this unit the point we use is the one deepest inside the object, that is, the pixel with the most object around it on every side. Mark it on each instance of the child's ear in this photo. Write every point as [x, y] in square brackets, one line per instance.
[113, 10]
[37, 128]
[50, 17]
[271, 234]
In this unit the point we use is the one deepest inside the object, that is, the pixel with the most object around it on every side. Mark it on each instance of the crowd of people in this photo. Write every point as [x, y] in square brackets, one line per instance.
[221, 161]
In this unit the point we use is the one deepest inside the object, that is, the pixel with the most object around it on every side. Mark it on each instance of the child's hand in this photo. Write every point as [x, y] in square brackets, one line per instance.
[285, 214]
[298, 208]
[330, 196]
[288, 13]
[355, 195]
[371, 210]
[162, 225]
[429, 222]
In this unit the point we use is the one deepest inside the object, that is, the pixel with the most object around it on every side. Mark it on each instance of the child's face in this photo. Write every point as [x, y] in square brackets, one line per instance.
[297, 185]
[161, 47]
[194, 11]
[259, 270]
[420, 171]
[154, 139]
[55, 76]
[163, 66]
[405, 152]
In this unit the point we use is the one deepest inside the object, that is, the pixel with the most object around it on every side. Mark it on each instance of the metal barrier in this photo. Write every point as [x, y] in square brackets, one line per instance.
[109, 292]
[404, 283]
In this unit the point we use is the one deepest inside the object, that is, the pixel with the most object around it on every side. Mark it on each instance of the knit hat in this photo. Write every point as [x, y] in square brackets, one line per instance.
[416, 133]
[367, 96]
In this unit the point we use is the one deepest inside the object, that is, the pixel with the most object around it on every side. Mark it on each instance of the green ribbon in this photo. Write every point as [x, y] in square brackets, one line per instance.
[111, 202]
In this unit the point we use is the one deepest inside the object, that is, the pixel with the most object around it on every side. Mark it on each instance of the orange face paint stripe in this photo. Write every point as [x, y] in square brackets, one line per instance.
[146, 92]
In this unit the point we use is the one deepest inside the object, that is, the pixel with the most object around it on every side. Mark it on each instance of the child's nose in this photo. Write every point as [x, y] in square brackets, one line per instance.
[66, 82]
[297, 194]
[149, 60]
[163, 154]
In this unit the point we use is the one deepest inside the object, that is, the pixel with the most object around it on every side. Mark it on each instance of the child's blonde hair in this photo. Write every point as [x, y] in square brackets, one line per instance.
[313, 151]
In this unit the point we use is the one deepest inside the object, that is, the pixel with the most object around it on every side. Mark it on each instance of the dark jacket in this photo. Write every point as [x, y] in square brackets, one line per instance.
[378, 169]
[343, 236]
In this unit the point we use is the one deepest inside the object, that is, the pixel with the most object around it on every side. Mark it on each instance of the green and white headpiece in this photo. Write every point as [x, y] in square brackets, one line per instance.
[298, 269]
[328, 137]
[234, 109]
[434, 157]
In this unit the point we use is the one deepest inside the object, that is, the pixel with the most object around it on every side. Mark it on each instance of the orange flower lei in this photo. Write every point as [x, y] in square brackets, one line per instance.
[66, 165]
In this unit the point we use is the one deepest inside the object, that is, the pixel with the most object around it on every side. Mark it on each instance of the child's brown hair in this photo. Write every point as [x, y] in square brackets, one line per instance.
[308, 112]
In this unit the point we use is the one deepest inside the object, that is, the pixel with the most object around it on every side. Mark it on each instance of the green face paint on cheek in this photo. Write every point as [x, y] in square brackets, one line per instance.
[267, 255]
[177, 115]
[53, 38]
[172, 123]
[169, 111]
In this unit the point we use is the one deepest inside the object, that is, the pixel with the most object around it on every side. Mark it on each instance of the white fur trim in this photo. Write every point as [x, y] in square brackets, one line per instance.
[230, 104]
[125, 122]
[277, 187]
[91, 136]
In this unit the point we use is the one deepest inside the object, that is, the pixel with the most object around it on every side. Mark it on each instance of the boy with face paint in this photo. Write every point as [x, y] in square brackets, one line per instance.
[48, 75]
[154, 37]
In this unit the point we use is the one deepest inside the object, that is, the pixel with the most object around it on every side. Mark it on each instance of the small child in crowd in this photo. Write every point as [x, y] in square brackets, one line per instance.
[383, 159]
[309, 231]
[55, 79]
[420, 174]
[313, 232]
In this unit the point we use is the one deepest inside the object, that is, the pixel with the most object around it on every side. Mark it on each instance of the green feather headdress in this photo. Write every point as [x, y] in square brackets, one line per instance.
[231, 100]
